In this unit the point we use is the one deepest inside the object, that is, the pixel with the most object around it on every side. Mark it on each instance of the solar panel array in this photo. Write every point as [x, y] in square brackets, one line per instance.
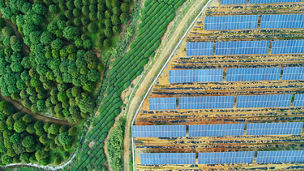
[278, 157]
[287, 47]
[282, 21]
[206, 102]
[190, 76]
[230, 2]
[242, 47]
[167, 158]
[293, 73]
[298, 100]
[216, 130]
[277, 100]
[271, 1]
[236, 22]
[288, 128]
[253, 74]
[159, 131]
[199, 48]
[162, 103]
[235, 2]
[226, 157]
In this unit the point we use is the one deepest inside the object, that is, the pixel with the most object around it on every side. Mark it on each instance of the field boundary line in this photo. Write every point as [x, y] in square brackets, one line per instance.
[161, 71]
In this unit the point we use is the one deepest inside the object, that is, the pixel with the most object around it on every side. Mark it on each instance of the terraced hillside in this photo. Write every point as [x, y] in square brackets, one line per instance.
[232, 97]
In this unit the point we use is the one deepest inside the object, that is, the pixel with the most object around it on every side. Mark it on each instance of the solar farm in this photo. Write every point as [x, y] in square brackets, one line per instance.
[232, 96]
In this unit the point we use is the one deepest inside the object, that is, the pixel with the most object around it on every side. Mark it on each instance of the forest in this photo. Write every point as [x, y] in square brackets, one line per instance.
[50, 62]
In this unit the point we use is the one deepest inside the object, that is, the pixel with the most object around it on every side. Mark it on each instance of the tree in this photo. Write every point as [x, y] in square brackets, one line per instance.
[124, 7]
[19, 126]
[86, 105]
[46, 38]
[93, 75]
[53, 129]
[71, 33]
[39, 8]
[57, 44]
[123, 17]
[53, 9]
[65, 140]
[6, 159]
[92, 28]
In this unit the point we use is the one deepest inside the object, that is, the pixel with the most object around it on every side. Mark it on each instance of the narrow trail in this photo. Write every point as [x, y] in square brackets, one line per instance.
[40, 117]
[171, 45]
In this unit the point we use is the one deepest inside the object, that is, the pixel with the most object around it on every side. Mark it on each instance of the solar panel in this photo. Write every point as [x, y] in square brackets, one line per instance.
[293, 73]
[298, 100]
[287, 47]
[236, 22]
[216, 130]
[271, 1]
[162, 103]
[286, 128]
[190, 76]
[278, 157]
[199, 48]
[167, 158]
[277, 100]
[159, 131]
[206, 102]
[242, 47]
[253, 74]
[226, 157]
[282, 21]
[231, 2]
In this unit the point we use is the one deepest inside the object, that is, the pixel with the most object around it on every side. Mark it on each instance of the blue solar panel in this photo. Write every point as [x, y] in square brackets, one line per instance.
[278, 100]
[216, 130]
[159, 131]
[271, 1]
[199, 48]
[287, 128]
[242, 47]
[299, 100]
[253, 74]
[190, 76]
[206, 102]
[231, 2]
[287, 47]
[293, 73]
[226, 157]
[236, 22]
[162, 103]
[167, 158]
[279, 157]
[282, 21]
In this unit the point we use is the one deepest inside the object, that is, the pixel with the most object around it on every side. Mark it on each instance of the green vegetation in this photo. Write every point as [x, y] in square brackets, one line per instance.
[155, 18]
[114, 146]
[24, 139]
[51, 61]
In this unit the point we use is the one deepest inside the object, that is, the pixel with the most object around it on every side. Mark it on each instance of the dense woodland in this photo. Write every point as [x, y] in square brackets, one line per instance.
[51, 61]
[50, 66]
[24, 139]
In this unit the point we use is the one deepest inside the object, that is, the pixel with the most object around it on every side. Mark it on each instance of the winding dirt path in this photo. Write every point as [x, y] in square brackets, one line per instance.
[149, 78]
[40, 117]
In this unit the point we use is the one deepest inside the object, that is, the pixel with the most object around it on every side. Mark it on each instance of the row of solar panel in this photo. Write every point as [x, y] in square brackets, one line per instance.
[235, 74]
[235, 2]
[167, 131]
[263, 157]
[245, 47]
[242, 22]
[225, 102]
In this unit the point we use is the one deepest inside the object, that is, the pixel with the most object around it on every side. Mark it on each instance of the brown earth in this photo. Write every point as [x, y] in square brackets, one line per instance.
[143, 87]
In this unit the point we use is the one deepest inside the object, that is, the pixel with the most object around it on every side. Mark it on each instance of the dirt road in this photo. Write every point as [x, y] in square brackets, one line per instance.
[146, 82]
[41, 117]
